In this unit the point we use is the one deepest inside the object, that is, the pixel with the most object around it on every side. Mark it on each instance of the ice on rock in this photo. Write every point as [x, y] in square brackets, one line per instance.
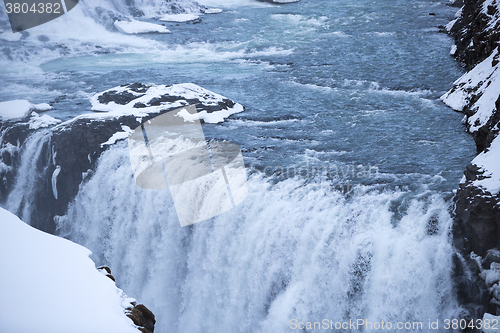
[139, 27]
[212, 11]
[179, 17]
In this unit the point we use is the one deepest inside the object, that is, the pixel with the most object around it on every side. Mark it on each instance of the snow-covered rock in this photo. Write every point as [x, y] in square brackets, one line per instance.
[139, 27]
[140, 100]
[212, 10]
[50, 285]
[19, 109]
[476, 92]
[489, 167]
[280, 1]
[36, 121]
[179, 17]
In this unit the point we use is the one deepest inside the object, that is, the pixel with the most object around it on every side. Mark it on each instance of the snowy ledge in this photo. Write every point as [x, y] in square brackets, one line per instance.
[50, 285]
[476, 92]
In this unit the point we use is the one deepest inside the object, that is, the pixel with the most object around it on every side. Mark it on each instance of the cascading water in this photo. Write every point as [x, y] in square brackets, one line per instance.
[289, 251]
[35, 157]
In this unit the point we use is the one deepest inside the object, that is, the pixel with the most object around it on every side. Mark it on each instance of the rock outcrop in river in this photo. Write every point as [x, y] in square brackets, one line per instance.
[64, 155]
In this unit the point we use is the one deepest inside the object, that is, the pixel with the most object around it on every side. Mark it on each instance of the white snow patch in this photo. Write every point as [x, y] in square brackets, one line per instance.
[139, 27]
[450, 25]
[50, 285]
[453, 50]
[118, 136]
[489, 162]
[14, 110]
[19, 109]
[179, 17]
[10, 36]
[37, 121]
[484, 81]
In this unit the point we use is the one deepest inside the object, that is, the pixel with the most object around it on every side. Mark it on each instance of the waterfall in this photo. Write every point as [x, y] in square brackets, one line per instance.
[88, 29]
[31, 176]
[289, 251]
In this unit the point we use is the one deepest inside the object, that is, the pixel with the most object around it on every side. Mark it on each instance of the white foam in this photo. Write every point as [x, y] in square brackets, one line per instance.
[10, 36]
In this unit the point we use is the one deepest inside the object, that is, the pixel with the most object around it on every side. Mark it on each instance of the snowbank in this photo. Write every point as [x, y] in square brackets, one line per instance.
[141, 100]
[489, 163]
[50, 285]
[19, 109]
[139, 27]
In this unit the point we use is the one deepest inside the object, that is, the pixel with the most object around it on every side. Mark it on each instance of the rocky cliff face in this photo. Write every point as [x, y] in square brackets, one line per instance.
[477, 212]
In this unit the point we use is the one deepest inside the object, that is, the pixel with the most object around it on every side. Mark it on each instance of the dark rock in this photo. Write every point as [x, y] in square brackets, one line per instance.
[492, 255]
[142, 317]
[433, 225]
[107, 271]
[140, 314]
[121, 98]
[471, 290]
[474, 40]
[477, 220]
[106, 268]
